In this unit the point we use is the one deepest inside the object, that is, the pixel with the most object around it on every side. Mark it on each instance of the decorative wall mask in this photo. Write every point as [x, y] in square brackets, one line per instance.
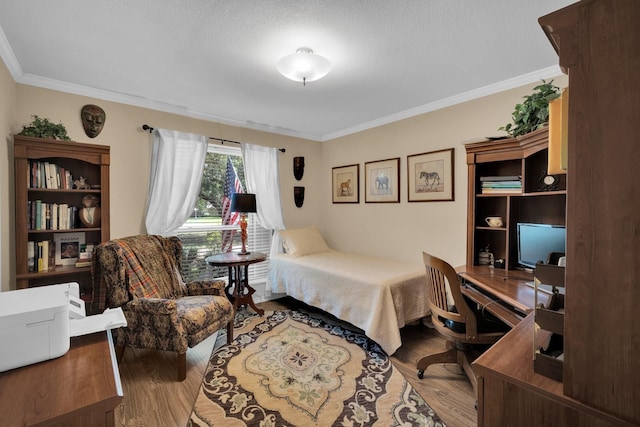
[298, 167]
[298, 196]
[93, 118]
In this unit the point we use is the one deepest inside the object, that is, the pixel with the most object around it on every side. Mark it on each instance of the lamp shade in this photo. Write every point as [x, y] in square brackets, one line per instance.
[243, 202]
[304, 66]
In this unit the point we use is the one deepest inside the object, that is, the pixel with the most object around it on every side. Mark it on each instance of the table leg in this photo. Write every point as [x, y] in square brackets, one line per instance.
[230, 282]
[242, 293]
[250, 291]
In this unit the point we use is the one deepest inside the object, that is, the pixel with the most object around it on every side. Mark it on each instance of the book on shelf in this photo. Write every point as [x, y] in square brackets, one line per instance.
[501, 184]
[47, 216]
[501, 190]
[54, 216]
[40, 256]
[49, 175]
[83, 263]
[31, 256]
[51, 216]
[85, 256]
[501, 178]
[47, 248]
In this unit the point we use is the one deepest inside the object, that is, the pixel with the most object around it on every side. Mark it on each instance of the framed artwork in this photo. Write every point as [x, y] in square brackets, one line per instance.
[430, 176]
[68, 247]
[346, 185]
[382, 181]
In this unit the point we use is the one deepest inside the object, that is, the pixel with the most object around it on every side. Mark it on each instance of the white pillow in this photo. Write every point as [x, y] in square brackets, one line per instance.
[303, 241]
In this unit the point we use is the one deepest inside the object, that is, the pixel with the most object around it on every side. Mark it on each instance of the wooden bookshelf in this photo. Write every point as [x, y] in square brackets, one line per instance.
[80, 159]
[526, 157]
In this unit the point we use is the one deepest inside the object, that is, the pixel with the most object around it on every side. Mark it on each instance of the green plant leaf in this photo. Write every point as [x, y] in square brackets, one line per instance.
[43, 128]
[533, 113]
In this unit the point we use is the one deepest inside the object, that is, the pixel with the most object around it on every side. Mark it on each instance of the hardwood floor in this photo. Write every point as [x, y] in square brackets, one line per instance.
[153, 397]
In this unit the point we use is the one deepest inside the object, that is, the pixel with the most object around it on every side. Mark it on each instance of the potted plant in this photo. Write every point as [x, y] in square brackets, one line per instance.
[43, 128]
[533, 113]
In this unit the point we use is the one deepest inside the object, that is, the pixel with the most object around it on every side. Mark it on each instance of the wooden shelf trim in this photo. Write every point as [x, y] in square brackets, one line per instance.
[59, 270]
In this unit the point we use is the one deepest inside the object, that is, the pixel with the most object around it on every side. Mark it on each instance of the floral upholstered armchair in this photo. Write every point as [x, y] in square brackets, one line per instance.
[141, 274]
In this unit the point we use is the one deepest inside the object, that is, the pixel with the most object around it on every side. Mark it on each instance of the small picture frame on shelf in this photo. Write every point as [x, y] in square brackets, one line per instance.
[382, 181]
[68, 247]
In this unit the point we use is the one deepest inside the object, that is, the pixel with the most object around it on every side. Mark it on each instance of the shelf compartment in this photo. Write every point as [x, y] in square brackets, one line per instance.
[59, 270]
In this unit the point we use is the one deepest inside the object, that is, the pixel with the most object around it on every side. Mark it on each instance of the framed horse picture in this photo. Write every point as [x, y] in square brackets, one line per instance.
[346, 184]
[382, 181]
[430, 176]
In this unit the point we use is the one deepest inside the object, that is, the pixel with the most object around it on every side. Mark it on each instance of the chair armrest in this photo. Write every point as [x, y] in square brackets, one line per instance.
[151, 306]
[153, 323]
[206, 287]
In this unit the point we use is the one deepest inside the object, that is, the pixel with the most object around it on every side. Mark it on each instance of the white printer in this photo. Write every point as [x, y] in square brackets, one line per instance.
[34, 323]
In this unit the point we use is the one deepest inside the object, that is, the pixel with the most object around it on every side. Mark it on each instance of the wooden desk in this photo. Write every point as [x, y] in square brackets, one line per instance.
[81, 388]
[504, 293]
[510, 393]
[239, 276]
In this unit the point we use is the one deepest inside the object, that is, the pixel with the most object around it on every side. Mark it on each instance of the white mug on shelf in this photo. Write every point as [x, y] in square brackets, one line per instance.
[494, 221]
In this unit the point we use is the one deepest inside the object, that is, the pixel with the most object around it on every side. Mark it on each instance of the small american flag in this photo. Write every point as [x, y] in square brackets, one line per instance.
[232, 185]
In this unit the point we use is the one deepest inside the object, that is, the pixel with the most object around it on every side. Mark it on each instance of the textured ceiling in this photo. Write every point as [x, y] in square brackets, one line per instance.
[215, 59]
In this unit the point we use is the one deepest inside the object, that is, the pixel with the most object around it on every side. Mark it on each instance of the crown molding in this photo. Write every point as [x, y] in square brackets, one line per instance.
[105, 95]
[29, 79]
[491, 89]
[9, 57]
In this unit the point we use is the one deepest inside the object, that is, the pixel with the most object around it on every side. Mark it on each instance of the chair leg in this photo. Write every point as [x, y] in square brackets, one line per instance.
[449, 356]
[119, 353]
[453, 355]
[230, 332]
[182, 366]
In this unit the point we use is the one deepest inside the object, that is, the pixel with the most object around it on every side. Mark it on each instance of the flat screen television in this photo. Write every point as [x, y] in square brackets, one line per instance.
[537, 241]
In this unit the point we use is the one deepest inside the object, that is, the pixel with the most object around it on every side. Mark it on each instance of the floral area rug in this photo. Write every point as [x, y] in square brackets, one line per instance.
[290, 368]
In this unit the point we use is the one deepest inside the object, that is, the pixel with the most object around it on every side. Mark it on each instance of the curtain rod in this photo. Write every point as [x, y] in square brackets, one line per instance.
[222, 141]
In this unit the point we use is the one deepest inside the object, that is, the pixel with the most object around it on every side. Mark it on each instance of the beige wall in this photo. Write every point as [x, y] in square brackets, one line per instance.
[396, 230]
[7, 103]
[131, 154]
[403, 230]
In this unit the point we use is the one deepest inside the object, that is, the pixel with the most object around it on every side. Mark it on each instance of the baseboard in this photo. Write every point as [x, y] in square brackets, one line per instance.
[263, 293]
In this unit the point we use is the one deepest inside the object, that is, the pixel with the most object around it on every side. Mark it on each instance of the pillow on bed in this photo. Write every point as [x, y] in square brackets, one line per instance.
[303, 241]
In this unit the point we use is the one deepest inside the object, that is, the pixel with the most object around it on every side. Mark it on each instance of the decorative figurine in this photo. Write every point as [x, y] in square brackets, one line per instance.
[81, 183]
[90, 212]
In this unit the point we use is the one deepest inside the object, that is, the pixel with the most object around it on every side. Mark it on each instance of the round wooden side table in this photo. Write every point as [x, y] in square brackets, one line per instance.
[238, 276]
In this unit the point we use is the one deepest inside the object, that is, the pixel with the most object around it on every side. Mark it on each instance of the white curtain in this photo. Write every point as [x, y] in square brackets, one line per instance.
[177, 162]
[261, 172]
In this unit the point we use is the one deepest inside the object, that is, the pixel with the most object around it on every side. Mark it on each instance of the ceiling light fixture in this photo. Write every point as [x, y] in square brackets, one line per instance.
[304, 66]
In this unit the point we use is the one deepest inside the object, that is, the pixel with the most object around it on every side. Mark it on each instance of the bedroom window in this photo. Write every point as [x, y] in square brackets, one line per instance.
[205, 232]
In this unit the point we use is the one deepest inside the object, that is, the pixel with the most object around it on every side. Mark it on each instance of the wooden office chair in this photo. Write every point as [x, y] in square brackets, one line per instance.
[460, 324]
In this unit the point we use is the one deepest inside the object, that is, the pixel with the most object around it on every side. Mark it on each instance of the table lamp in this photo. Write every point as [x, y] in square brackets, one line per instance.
[243, 203]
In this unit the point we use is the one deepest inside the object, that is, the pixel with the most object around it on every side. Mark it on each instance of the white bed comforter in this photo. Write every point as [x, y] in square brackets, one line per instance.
[377, 295]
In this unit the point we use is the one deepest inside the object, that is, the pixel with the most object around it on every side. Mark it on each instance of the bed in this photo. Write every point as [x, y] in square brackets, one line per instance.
[377, 295]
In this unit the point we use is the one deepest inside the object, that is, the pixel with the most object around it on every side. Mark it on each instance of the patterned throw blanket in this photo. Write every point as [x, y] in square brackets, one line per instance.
[150, 269]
